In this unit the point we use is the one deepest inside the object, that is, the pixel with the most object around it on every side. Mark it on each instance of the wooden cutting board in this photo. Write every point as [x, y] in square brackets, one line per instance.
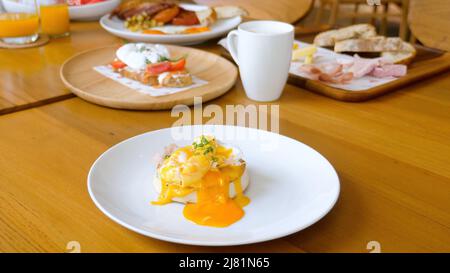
[78, 75]
[426, 64]
[430, 22]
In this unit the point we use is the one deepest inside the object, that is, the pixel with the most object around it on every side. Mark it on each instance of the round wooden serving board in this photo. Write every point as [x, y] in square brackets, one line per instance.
[78, 75]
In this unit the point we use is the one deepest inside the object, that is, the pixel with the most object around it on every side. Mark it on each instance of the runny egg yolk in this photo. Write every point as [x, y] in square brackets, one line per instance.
[214, 206]
[194, 30]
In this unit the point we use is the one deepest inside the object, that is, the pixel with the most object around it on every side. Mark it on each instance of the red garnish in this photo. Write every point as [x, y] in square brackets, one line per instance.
[118, 64]
[158, 68]
[178, 65]
[166, 66]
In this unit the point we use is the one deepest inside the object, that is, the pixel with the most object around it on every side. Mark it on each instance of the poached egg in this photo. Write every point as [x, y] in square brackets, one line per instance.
[138, 55]
[209, 177]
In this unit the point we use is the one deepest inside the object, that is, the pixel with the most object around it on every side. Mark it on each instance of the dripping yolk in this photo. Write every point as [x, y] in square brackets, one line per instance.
[203, 170]
[214, 207]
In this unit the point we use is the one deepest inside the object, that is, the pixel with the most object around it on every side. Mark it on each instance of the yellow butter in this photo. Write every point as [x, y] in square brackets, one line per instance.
[303, 52]
[309, 59]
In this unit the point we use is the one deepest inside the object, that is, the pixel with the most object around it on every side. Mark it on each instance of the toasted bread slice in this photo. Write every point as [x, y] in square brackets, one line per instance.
[175, 79]
[329, 38]
[224, 12]
[139, 76]
[167, 79]
[207, 16]
[402, 57]
[373, 44]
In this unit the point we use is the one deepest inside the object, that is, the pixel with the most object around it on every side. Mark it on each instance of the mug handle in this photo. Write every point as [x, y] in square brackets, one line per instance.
[231, 38]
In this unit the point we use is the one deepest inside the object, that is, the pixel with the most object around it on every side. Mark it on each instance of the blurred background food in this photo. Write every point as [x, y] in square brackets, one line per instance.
[80, 10]
[143, 15]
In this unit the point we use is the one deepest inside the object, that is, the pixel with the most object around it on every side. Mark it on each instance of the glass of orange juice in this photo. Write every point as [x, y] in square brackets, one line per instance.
[55, 19]
[20, 26]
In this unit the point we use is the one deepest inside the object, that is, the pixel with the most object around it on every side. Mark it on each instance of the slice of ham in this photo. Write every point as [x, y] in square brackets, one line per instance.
[363, 66]
[343, 71]
[310, 71]
[328, 72]
[338, 79]
[331, 69]
[389, 70]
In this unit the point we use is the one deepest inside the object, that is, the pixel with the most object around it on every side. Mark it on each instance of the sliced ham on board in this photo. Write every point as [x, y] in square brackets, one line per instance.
[340, 72]
[389, 70]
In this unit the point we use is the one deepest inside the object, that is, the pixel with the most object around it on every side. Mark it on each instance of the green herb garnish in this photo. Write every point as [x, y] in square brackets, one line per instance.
[208, 150]
[165, 59]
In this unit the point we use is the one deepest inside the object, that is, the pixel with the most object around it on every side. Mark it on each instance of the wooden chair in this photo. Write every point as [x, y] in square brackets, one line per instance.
[372, 13]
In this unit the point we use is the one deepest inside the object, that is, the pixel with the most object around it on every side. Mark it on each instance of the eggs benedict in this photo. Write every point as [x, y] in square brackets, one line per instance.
[209, 177]
[151, 64]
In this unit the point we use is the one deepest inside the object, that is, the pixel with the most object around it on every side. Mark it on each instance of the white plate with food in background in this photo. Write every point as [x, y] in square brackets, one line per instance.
[92, 11]
[86, 11]
[172, 34]
[79, 73]
[291, 186]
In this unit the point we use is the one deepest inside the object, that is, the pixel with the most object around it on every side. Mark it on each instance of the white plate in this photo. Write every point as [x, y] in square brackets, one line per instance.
[115, 26]
[91, 12]
[291, 187]
[13, 6]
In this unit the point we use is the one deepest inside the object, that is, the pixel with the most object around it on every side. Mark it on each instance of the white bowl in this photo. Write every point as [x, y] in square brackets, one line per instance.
[90, 12]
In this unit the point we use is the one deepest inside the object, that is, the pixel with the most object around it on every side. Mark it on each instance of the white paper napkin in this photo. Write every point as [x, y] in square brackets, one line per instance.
[106, 71]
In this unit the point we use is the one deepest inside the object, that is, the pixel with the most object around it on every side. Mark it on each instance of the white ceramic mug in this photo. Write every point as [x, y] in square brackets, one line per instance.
[263, 51]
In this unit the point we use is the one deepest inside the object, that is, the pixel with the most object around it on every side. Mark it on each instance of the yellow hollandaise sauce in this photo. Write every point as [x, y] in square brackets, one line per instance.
[208, 170]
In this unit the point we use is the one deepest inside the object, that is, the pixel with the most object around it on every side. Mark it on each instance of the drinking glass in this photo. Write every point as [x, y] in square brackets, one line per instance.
[19, 21]
[55, 19]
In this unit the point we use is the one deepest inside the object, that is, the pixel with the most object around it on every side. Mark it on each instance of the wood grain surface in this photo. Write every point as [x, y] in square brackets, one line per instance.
[78, 75]
[391, 154]
[41, 40]
[430, 22]
[282, 10]
[30, 77]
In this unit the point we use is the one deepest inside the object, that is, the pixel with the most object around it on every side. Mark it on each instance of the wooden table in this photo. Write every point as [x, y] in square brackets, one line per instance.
[30, 77]
[282, 10]
[392, 155]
